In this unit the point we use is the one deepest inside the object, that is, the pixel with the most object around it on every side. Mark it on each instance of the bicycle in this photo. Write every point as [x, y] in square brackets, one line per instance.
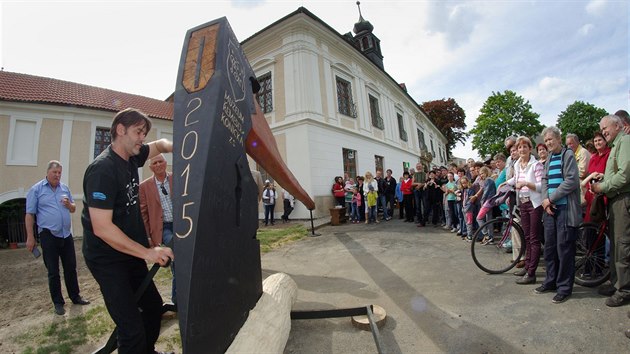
[496, 256]
[591, 267]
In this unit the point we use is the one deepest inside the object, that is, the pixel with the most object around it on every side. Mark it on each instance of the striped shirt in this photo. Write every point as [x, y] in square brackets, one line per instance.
[555, 177]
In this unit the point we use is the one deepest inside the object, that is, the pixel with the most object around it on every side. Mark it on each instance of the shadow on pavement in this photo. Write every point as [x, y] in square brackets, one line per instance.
[430, 319]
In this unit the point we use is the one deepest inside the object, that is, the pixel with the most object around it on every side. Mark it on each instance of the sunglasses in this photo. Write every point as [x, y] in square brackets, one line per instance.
[163, 189]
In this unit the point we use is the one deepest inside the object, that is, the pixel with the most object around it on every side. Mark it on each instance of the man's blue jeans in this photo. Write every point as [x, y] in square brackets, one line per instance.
[382, 199]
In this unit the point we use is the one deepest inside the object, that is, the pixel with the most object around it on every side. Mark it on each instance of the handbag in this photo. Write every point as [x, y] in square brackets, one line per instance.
[598, 208]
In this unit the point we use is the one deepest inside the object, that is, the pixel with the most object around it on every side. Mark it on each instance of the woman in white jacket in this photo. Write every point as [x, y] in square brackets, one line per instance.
[527, 180]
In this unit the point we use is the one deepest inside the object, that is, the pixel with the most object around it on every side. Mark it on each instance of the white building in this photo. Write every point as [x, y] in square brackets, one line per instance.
[333, 108]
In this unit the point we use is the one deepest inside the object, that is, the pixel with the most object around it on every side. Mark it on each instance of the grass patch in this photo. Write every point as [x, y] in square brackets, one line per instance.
[274, 238]
[65, 335]
[172, 342]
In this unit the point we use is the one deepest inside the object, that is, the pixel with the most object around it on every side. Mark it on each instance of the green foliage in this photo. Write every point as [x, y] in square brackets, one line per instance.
[502, 115]
[580, 118]
[449, 118]
[273, 238]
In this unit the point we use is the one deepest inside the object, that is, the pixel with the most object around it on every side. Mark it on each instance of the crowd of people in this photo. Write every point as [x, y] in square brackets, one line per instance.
[555, 183]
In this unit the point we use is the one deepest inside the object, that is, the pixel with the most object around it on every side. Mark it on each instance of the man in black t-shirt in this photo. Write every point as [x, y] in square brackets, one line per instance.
[115, 244]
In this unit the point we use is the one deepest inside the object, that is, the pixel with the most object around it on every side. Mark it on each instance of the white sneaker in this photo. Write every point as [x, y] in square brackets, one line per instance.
[454, 229]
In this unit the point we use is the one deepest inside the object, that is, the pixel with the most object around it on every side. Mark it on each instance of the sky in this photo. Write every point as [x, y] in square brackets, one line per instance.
[550, 52]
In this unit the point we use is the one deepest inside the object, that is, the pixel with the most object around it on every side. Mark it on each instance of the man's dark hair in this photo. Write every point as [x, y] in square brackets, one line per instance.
[128, 118]
[625, 117]
[389, 170]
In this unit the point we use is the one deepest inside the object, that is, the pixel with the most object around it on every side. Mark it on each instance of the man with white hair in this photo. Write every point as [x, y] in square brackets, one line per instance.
[562, 216]
[616, 185]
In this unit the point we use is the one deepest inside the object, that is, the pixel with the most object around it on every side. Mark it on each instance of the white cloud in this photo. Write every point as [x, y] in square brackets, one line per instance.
[456, 21]
[595, 7]
[586, 29]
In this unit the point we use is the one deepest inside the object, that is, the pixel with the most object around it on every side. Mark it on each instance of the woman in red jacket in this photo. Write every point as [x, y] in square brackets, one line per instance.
[338, 192]
[407, 192]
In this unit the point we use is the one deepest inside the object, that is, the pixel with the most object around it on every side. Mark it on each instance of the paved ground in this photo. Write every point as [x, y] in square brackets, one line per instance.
[436, 299]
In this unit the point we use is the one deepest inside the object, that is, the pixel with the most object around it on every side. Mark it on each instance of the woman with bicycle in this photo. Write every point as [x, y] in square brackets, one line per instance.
[527, 180]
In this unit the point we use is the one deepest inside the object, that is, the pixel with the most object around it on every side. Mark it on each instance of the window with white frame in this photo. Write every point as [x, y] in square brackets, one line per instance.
[349, 162]
[375, 113]
[401, 127]
[23, 141]
[421, 144]
[265, 97]
[345, 104]
[379, 162]
[102, 139]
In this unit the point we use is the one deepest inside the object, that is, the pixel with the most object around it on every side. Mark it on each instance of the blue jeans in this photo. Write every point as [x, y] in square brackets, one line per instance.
[383, 201]
[486, 231]
[269, 213]
[559, 251]
[354, 213]
[372, 213]
[167, 238]
[462, 220]
[418, 199]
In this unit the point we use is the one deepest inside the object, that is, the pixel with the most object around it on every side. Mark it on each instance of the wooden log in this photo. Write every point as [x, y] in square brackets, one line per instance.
[269, 323]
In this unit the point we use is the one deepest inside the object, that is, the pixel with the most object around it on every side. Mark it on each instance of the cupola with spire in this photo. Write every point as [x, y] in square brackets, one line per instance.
[366, 41]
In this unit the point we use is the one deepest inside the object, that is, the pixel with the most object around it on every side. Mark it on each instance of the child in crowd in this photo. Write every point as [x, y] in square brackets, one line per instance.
[371, 204]
[487, 191]
[399, 199]
[451, 198]
[348, 188]
[355, 216]
[467, 207]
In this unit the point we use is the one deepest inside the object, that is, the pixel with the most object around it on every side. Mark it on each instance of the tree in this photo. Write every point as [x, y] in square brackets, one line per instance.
[502, 115]
[449, 118]
[580, 118]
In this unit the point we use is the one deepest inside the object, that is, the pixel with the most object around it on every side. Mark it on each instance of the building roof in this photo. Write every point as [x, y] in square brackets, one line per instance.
[37, 89]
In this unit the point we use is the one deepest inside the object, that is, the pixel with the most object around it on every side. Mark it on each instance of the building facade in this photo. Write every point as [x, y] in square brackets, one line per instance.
[43, 119]
[333, 108]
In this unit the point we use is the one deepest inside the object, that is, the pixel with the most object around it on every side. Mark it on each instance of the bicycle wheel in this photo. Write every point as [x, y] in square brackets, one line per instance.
[496, 257]
[591, 268]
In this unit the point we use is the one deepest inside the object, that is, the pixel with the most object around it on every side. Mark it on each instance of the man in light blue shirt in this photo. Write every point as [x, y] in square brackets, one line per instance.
[51, 202]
